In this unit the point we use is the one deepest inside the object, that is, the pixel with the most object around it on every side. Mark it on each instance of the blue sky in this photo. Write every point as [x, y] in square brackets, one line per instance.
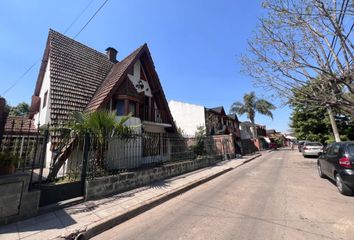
[195, 44]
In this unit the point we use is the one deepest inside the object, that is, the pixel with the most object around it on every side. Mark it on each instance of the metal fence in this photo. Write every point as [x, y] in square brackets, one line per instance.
[40, 152]
[89, 156]
[23, 143]
[145, 151]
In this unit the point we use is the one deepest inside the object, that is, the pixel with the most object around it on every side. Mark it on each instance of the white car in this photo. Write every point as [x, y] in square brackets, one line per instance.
[312, 149]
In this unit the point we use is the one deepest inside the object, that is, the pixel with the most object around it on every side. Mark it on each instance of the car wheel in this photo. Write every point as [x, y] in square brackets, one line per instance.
[342, 188]
[319, 169]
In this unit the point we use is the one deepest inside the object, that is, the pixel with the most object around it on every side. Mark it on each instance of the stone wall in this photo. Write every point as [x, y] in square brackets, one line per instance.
[15, 201]
[109, 185]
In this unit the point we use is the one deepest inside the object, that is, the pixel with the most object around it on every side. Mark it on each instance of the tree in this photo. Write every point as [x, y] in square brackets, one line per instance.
[100, 125]
[251, 104]
[199, 146]
[312, 123]
[305, 43]
[22, 109]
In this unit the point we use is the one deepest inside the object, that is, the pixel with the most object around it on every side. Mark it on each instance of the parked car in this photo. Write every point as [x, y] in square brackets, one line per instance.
[273, 145]
[337, 163]
[312, 149]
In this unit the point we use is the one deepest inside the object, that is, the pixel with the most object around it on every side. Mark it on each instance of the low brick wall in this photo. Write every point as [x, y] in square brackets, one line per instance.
[108, 185]
[16, 202]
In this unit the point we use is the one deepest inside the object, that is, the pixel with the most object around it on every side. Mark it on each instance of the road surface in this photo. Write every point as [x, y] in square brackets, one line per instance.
[277, 196]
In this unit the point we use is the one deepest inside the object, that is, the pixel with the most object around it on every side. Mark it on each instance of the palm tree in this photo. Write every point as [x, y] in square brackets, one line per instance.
[251, 104]
[100, 125]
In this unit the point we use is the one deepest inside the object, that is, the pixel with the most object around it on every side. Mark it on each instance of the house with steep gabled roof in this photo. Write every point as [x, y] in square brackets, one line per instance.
[75, 77]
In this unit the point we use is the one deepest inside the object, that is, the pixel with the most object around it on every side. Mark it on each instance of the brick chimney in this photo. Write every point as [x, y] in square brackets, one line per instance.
[112, 54]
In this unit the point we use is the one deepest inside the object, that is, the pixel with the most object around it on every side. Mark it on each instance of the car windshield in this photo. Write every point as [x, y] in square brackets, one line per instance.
[351, 149]
[314, 144]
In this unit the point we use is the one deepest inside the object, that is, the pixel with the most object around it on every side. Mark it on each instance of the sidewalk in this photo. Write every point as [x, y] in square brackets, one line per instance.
[92, 217]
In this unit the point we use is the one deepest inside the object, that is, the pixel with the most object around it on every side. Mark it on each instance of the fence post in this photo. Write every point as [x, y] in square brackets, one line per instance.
[85, 161]
[3, 117]
[45, 141]
[34, 158]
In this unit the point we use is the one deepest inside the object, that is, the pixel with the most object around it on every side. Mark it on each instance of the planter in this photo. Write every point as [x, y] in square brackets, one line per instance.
[7, 169]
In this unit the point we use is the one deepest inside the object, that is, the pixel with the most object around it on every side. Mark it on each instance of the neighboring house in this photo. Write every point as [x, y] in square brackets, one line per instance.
[278, 137]
[189, 117]
[249, 143]
[223, 129]
[75, 77]
[218, 122]
[261, 130]
[247, 130]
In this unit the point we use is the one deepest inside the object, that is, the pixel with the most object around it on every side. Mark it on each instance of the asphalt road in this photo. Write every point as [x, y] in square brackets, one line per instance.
[277, 196]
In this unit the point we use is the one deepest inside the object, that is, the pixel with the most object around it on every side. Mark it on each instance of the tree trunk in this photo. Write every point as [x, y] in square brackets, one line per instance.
[333, 124]
[254, 129]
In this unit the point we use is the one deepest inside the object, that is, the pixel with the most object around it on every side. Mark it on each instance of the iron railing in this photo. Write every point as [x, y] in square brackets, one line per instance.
[90, 156]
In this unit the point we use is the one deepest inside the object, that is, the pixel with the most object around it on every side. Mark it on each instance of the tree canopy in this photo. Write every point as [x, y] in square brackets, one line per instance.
[22, 109]
[305, 43]
[312, 123]
[251, 104]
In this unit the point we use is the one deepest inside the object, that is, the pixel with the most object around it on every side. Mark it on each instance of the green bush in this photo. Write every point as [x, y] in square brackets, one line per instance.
[7, 158]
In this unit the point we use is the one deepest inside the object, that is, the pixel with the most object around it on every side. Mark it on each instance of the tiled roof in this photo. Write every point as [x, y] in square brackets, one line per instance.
[217, 109]
[113, 79]
[76, 72]
[19, 125]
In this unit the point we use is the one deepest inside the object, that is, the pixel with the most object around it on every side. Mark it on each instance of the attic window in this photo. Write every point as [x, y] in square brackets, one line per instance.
[45, 99]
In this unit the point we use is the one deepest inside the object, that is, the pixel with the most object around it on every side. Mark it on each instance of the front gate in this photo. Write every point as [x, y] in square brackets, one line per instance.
[28, 144]
[69, 182]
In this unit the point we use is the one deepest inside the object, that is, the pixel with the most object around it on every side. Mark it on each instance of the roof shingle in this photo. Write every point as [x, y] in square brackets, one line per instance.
[113, 79]
[76, 72]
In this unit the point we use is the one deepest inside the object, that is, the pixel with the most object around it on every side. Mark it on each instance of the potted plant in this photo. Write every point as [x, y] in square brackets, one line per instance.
[8, 163]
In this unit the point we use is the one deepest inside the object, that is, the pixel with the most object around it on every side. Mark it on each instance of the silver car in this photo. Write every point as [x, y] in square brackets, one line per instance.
[312, 149]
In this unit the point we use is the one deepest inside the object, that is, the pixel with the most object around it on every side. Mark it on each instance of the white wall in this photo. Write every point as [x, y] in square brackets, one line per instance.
[135, 79]
[187, 116]
[43, 116]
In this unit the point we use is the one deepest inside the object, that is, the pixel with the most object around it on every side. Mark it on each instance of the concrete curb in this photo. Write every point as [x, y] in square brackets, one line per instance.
[116, 219]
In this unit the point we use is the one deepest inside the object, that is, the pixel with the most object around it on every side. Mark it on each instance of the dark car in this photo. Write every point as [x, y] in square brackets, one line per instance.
[337, 163]
[273, 145]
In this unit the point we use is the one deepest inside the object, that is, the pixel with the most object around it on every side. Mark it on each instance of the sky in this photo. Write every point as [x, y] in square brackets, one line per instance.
[195, 44]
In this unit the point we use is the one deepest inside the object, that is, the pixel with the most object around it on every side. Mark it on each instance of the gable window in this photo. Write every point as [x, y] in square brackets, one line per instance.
[120, 108]
[45, 99]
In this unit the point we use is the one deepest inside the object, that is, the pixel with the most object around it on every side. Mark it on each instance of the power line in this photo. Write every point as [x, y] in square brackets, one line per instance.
[24, 74]
[67, 29]
[104, 3]
[78, 16]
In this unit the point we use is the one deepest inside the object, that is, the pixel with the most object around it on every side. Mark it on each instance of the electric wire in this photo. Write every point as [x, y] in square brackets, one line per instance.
[67, 29]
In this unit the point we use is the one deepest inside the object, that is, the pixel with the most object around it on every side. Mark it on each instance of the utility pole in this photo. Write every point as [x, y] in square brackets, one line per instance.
[333, 123]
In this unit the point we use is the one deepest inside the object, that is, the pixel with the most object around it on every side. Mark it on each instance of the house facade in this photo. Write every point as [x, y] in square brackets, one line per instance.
[75, 77]
[215, 121]
[222, 128]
